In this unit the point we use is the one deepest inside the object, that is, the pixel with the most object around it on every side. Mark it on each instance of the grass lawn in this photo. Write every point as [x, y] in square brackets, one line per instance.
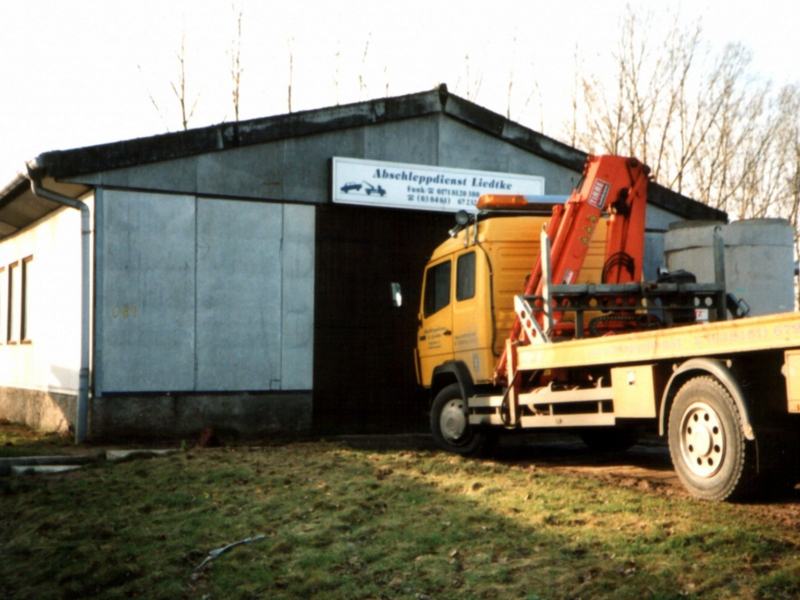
[346, 523]
[18, 440]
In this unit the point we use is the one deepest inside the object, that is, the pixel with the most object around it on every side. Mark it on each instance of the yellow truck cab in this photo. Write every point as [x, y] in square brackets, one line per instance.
[467, 305]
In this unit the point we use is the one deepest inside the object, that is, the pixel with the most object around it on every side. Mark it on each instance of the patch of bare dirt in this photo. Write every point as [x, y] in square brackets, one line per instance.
[646, 467]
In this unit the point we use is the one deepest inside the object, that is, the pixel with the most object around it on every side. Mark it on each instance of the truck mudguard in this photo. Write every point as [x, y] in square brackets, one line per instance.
[705, 366]
[444, 374]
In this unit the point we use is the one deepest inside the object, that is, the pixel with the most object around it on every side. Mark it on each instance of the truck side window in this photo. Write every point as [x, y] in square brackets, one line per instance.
[465, 276]
[437, 288]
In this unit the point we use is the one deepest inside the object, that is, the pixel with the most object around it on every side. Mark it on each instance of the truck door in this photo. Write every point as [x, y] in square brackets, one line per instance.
[435, 339]
[472, 314]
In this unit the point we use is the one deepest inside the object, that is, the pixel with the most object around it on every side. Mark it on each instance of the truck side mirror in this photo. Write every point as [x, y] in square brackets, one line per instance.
[397, 295]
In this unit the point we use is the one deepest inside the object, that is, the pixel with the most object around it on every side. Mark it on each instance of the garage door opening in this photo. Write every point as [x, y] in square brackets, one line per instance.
[364, 377]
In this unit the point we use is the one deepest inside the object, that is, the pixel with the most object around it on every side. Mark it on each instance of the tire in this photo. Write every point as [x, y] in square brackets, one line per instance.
[610, 439]
[450, 427]
[706, 442]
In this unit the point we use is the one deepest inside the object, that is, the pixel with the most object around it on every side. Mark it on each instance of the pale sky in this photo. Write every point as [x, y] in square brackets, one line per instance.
[82, 72]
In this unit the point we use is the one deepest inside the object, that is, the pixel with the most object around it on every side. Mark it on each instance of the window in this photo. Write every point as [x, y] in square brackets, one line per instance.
[24, 317]
[437, 288]
[12, 304]
[16, 311]
[465, 276]
[3, 298]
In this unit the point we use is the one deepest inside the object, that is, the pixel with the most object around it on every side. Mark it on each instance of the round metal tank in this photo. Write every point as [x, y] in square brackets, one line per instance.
[759, 259]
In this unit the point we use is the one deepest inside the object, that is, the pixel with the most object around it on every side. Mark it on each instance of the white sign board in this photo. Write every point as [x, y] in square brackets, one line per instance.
[422, 187]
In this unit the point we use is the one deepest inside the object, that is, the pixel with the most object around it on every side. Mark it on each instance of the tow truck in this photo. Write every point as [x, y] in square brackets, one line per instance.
[534, 321]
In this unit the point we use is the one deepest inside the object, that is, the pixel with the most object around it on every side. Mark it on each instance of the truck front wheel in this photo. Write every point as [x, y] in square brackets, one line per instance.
[707, 444]
[450, 425]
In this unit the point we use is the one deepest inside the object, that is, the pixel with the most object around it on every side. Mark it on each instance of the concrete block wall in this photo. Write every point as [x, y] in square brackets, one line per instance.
[759, 259]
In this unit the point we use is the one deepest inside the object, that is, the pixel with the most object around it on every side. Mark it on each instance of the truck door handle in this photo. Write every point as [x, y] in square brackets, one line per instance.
[447, 332]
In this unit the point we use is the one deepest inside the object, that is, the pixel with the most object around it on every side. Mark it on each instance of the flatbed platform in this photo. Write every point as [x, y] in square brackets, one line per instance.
[770, 332]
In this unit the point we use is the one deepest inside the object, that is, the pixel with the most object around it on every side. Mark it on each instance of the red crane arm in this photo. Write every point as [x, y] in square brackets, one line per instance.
[614, 184]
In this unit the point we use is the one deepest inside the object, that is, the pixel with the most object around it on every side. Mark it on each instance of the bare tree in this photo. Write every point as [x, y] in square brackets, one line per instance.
[290, 46]
[152, 99]
[535, 90]
[571, 127]
[787, 159]
[704, 131]
[471, 83]
[179, 88]
[236, 64]
[511, 74]
[641, 112]
[362, 87]
[708, 126]
[336, 70]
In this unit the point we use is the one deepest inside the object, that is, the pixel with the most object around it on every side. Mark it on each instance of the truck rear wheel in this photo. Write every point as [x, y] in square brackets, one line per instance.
[707, 444]
[450, 425]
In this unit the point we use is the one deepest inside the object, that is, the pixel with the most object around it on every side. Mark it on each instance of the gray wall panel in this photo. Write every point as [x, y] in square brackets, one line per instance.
[653, 255]
[242, 172]
[412, 141]
[238, 295]
[659, 219]
[457, 146]
[298, 297]
[557, 180]
[204, 295]
[179, 175]
[147, 329]
[307, 163]
[657, 223]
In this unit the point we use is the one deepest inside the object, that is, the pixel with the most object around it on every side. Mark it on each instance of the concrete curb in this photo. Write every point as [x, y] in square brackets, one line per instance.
[43, 469]
[61, 464]
[7, 464]
[125, 455]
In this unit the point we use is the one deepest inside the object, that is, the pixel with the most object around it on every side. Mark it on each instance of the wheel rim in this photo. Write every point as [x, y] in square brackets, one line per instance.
[702, 440]
[452, 421]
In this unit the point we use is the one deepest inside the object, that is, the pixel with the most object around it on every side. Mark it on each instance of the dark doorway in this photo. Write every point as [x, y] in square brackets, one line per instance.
[364, 374]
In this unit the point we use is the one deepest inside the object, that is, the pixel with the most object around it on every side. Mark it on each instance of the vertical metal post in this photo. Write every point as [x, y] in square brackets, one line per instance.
[513, 385]
[719, 273]
[547, 274]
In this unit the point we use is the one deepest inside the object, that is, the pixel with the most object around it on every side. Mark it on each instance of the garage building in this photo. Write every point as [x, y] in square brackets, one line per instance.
[239, 278]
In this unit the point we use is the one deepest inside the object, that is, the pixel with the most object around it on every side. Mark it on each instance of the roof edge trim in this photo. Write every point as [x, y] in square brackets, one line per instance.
[225, 136]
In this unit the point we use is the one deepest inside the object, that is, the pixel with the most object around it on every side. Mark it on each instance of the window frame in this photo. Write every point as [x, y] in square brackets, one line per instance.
[3, 307]
[470, 280]
[24, 309]
[10, 338]
[430, 302]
